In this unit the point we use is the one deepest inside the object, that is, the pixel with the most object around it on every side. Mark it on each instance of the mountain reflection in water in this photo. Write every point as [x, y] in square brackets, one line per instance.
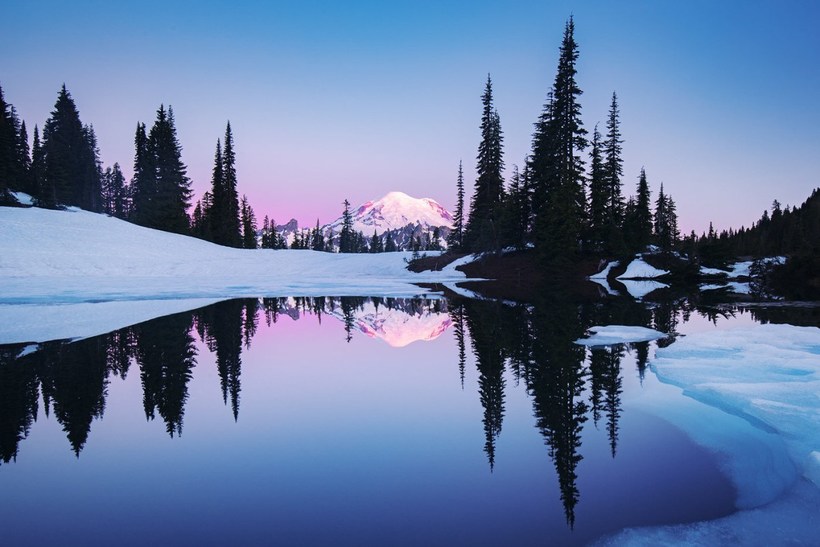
[570, 387]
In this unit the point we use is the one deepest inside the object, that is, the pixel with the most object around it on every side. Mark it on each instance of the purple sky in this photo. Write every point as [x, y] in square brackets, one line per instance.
[355, 99]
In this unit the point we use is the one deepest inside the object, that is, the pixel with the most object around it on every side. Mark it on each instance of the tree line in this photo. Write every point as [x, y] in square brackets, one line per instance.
[63, 168]
[555, 203]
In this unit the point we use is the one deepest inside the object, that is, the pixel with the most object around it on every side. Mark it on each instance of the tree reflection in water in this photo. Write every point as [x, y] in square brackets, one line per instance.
[531, 345]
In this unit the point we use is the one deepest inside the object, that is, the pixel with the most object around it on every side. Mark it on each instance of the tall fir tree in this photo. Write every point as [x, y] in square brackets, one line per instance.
[481, 231]
[248, 225]
[221, 226]
[613, 163]
[173, 187]
[72, 173]
[231, 219]
[8, 156]
[38, 168]
[24, 160]
[639, 224]
[317, 238]
[115, 192]
[143, 183]
[456, 237]
[599, 195]
[347, 236]
[557, 165]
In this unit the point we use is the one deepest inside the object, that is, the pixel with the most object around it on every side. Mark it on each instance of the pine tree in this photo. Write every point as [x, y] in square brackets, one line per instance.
[318, 238]
[72, 173]
[347, 242]
[613, 164]
[375, 243]
[481, 231]
[390, 244]
[115, 193]
[599, 195]
[143, 183]
[231, 228]
[38, 168]
[666, 222]
[557, 166]
[24, 160]
[173, 187]
[455, 240]
[248, 225]
[8, 156]
[643, 216]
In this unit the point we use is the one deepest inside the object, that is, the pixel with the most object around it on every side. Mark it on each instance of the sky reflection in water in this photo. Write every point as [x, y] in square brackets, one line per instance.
[263, 428]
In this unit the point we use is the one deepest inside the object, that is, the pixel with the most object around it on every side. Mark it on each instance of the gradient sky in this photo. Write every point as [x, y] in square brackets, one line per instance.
[335, 100]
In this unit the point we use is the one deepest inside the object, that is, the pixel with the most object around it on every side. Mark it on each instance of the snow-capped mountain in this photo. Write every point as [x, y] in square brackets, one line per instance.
[396, 210]
[397, 214]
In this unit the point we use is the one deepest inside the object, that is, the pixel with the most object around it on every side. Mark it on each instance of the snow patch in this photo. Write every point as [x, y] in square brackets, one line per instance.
[619, 334]
[760, 387]
[638, 269]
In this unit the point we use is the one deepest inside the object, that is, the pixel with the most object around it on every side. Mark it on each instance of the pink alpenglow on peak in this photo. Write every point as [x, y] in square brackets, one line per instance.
[396, 210]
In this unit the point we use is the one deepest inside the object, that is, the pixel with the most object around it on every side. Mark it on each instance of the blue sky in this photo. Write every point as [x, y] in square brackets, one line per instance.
[719, 100]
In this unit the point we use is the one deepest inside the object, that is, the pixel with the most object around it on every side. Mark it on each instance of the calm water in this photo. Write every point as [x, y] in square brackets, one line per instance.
[349, 421]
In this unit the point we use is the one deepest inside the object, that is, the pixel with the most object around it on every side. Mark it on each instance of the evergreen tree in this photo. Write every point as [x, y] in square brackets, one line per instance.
[24, 160]
[318, 239]
[225, 215]
[390, 244]
[15, 160]
[248, 225]
[347, 237]
[599, 195]
[173, 187]
[115, 193]
[38, 168]
[8, 156]
[72, 173]
[481, 231]
[557, 166]
[229, 171]
[456, 238]
[613, 164]
[143, 183]
[639, 232]
[375, 243]
[666, 222]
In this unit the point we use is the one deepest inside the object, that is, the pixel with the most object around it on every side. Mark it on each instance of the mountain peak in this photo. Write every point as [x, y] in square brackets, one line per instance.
[396, 210]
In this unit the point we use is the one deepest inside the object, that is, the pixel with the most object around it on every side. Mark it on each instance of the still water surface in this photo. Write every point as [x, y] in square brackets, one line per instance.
[348, 421]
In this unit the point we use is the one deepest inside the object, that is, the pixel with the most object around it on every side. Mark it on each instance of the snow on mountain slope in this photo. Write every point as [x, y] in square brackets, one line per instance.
[396, 210]
[75, 256]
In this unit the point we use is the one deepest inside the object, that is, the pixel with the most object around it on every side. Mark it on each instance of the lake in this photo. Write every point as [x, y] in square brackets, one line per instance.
[298, 421]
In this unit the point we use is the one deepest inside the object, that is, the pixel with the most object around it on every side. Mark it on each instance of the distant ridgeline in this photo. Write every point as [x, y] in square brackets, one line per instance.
[396, 222]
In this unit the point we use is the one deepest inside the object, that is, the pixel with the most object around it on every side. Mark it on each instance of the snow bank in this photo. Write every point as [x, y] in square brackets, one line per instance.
[619, 334]
[760, 387]
[712, 271]
[64, 257]
[741, 269]
[638, 269]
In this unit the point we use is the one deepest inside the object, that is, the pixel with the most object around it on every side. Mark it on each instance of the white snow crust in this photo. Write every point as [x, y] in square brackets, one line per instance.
[60, 256]
[619, 334]
[754, 398]
[50, 259]
[638, 269]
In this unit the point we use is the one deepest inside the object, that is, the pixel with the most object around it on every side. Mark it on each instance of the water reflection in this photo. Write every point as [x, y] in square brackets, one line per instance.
[570, 387]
